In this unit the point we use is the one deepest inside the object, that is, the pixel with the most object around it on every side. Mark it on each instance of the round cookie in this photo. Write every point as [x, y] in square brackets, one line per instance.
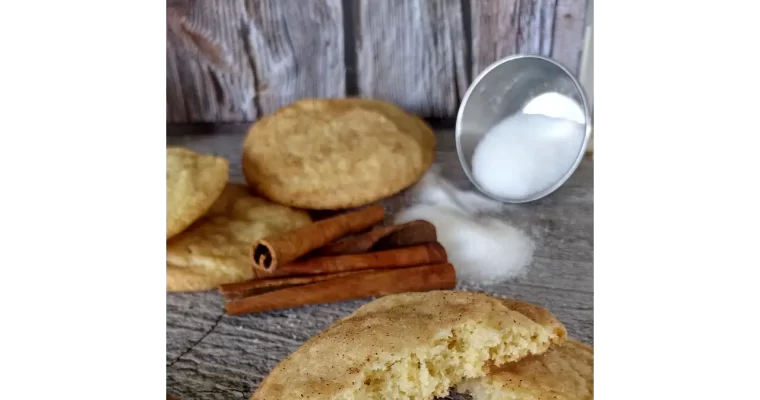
[336, 153]
[193, 182]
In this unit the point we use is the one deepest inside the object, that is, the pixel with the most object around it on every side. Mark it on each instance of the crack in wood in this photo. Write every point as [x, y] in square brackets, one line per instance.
[467, 31]
[216, 85]
[349, 47]
[245, 32]
[216, 323]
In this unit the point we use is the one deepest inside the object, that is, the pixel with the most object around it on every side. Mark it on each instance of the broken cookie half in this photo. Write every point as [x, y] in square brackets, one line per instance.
[412, 346]
[564, 372]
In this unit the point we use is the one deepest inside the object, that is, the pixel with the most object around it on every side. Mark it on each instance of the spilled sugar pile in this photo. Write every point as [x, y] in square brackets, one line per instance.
[483, 249]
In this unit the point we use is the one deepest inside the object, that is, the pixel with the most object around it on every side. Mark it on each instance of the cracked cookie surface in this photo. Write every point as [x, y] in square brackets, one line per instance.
[336, 153]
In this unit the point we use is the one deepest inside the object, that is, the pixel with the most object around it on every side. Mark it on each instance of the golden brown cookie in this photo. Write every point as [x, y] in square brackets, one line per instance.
[411, 345]
[193, 182]
[564, 372]
[214, 250]
[336, 153]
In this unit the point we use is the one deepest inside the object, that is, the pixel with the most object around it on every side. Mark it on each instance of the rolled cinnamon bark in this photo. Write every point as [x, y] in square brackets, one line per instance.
[430, 253]
[269, 253]
[256, 286]
[356, 286]
[383, 238]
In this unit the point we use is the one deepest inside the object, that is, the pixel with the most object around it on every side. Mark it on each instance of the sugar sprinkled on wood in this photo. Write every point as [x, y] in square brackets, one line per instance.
[482, 248]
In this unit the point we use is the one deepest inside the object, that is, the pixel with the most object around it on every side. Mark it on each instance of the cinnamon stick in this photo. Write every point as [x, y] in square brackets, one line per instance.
[383, 238]
[256, 286]
[430, 253]
[356, 286]
[269, 253]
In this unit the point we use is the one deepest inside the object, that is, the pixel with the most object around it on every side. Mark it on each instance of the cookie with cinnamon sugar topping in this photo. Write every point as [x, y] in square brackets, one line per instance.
[412, 345]
[336, 153]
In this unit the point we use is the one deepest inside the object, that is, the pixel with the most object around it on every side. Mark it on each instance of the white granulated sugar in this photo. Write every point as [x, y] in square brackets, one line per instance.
[482, 248]
[432, 189]
[555, 105]
[525, 154]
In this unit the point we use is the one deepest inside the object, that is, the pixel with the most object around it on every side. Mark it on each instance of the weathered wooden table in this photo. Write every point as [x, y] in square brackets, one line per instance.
[213, 356]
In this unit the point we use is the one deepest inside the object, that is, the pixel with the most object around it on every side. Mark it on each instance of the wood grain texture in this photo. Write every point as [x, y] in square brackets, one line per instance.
[235, 60]
[569, 28]
[551, 28]
[412, 53]
[213, 356]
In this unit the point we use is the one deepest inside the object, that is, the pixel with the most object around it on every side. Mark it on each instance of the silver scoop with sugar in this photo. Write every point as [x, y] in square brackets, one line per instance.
[504, 89]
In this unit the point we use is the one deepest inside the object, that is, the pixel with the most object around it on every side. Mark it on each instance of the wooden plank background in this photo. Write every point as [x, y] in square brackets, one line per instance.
[236, 60]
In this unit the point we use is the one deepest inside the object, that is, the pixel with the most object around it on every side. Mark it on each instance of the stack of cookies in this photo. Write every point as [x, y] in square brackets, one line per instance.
[211, 223]
[319, 154]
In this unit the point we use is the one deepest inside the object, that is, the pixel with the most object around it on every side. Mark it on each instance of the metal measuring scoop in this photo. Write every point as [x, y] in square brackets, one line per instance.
[504, 89]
